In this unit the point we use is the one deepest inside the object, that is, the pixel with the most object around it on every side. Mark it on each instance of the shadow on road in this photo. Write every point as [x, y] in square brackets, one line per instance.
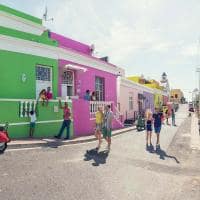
[97, 157]
[164, 155]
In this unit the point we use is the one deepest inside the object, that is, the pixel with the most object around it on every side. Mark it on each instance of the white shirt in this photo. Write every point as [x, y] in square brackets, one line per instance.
[33, 118]
[108, 118]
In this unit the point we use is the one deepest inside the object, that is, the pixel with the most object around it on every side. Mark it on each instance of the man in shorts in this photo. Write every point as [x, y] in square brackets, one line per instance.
[157, 116]
[107, 130]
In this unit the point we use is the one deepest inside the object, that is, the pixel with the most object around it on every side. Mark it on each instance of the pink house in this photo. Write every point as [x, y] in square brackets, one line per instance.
[132, 98]
[80, 71]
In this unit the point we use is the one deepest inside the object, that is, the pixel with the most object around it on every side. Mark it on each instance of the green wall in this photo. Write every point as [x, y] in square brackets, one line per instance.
[10, 113]
[13, 65]
[20, 14]
[44, 38]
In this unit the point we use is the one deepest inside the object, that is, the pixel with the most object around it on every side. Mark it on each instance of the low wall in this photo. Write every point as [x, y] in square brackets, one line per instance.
[49, 119]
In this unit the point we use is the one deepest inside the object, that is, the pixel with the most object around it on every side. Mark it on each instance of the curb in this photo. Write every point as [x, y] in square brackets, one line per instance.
[56, 143]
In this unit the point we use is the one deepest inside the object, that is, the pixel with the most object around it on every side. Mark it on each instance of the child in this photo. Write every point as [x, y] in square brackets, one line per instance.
[32, 123]
[43, 96]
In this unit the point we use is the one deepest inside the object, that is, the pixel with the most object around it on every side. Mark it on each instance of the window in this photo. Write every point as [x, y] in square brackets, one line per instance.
[43, 76]
[68, 83]
[130, 103]
[99, 88]
[43, 73]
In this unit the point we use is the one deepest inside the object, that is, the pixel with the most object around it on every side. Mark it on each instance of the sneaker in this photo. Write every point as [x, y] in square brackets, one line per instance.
[66, 138]
[151, 146]
[157, 147]
[57, 137]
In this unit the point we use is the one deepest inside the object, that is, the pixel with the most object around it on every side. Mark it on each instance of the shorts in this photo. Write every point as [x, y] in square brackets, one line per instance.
[32, 125]
[157, 129]
[98, 127]
[107, 132]
[149, 127]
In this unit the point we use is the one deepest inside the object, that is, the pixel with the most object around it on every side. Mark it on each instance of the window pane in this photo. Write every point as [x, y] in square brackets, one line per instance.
[43, 73]
[99, 88]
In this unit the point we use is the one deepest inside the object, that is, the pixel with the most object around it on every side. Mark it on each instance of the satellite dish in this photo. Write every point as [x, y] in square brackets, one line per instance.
[45, 15]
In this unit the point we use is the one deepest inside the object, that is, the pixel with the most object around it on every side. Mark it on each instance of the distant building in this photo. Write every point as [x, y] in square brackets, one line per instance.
[176, 95]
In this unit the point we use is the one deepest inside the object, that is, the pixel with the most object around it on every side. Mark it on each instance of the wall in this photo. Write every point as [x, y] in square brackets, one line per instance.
[13, 65]
[86, 81]
[44, 38]
[149, 101]
[47, 125]
[158, 100]
[72, 44]
[125, 92]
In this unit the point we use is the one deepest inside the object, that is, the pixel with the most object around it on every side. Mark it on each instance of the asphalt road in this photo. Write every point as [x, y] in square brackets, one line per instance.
[77, 172]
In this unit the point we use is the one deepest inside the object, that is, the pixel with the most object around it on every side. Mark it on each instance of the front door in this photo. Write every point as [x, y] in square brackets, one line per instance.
[43, 78]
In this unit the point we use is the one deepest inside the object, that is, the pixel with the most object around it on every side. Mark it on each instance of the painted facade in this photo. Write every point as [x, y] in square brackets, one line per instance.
[32, 59]
[85, 78]
[134, 99]
[20, 66]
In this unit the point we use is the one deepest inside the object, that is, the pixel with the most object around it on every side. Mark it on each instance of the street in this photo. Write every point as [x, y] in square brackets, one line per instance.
[128, 171]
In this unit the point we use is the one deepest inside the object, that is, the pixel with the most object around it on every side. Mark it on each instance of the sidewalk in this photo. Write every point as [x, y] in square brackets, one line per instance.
[51, 142]
[195, 137]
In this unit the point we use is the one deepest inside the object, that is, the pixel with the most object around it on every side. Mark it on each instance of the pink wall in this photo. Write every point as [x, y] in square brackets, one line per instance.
[86, 81]
[72, 44]
[125, 92]
[81, 116]
[83, 125]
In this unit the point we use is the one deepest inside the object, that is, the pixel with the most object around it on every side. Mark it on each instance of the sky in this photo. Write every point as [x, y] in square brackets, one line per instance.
[145, 37]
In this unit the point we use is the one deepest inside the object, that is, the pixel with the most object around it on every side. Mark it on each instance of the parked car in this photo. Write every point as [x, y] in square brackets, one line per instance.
[191, 109]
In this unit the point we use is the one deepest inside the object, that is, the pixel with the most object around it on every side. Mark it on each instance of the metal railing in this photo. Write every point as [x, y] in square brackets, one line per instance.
[95, 104]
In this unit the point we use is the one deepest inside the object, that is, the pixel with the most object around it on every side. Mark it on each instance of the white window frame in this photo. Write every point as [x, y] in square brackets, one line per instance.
[71, 85]
[103, 85]
[49, 83]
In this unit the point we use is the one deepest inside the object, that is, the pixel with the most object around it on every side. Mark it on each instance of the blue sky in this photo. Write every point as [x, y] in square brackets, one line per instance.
[143, 36]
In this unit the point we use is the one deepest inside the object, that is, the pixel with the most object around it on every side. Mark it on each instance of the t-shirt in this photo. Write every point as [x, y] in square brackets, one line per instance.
[108, 117]
[66, 112]
[49, 95]
[87, 97]
[33, 118]
[99, 117]
[157, 119]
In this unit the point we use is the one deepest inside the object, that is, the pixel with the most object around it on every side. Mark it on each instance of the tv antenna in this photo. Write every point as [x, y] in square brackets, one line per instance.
[45, 15]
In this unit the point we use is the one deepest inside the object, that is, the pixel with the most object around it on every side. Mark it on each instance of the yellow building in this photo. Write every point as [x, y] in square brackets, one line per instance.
[176, 95]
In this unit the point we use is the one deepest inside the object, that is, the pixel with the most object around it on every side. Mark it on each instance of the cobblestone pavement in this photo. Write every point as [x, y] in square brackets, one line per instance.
[78, 172]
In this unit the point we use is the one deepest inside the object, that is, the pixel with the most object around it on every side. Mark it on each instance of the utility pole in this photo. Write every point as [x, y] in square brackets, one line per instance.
[198, 71]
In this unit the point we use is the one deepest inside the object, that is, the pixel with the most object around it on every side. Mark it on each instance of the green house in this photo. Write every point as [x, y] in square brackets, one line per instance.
[28, 63]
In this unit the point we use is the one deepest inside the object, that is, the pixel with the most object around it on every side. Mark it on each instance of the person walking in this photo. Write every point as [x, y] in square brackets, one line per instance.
[107, 130]
[157, 116]
[66, 122]
[149, 121]
[167, 116]
[173, 117]
[99, 124]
